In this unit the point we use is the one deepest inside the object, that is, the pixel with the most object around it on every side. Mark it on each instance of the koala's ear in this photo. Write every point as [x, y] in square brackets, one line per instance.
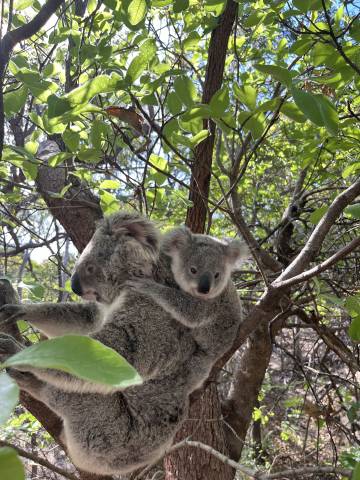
[176, 239]
[237, 252]
[141, 229]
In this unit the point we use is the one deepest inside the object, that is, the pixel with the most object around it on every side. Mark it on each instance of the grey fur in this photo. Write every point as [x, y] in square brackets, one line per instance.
[118, 432]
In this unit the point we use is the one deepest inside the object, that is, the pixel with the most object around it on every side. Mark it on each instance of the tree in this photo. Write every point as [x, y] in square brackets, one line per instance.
[231, 117]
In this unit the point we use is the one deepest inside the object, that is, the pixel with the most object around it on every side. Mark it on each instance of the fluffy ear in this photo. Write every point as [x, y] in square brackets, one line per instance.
[176, 239]
[140, 229]
[237, 252]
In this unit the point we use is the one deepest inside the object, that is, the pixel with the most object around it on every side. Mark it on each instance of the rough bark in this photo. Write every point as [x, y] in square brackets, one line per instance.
[79, 209]
[201, 174]
[248, 378]
[204, 425]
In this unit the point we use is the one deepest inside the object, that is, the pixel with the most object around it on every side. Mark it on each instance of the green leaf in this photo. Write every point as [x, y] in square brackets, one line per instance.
[200, 111]
[11, 467]
[22, 4]
[174, 104]
[14, 101]
[279, 73]
[246, 94]
[180, 5]
[79, 96]
[302, 5]
[353, 211]
[293, 112]
[139, 63]
[109, 204]
[317, 108]
[354, 332]
[9, 396]
[219, 102]
[351, 169]
[83, 357]
[71, 140]
[185, 90]
[59, 158]
[111, 184]
[199, 137]
[90, 155]
[317, 215]
[41, 89]
[136, 11]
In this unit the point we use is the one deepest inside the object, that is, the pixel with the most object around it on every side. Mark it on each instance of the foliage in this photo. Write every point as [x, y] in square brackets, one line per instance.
[286, 143]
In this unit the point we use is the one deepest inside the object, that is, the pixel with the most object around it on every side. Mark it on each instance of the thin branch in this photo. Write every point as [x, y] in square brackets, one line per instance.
[317, 237]
[336, 43]
[13, 37]
[28, 246]
[319, 268]
[258, 475]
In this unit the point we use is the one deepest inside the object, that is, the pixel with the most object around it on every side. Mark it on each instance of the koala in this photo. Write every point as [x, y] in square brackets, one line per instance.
[207, 303]
[116, 432]
[113, 432]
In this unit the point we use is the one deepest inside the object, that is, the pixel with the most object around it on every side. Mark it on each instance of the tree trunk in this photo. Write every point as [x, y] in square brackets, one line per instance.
[205, 425]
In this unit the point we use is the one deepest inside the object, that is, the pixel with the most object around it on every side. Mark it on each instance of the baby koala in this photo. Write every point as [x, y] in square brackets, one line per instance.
[207, 302]
[202, 267]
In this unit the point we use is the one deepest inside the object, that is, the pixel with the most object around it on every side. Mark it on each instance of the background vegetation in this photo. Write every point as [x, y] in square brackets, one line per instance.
[234, 118]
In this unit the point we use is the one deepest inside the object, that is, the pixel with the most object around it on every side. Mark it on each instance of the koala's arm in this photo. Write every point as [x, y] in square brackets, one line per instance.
[190, 311]
[55, 319]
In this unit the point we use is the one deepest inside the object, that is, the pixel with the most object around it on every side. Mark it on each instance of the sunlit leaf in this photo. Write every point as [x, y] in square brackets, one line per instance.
[83, 357]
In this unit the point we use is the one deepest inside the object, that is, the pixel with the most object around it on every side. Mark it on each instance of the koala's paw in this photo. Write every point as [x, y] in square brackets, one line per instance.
[10, 313]
[8, 346]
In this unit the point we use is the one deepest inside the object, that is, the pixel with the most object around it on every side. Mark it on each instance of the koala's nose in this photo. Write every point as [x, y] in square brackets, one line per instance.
[204, 283]
[75, 284]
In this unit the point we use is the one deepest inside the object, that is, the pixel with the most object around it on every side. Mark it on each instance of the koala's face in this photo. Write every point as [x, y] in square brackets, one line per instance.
[123, 246]
[200, 264]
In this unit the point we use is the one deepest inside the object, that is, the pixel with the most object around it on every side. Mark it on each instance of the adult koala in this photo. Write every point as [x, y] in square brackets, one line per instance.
[113, 432]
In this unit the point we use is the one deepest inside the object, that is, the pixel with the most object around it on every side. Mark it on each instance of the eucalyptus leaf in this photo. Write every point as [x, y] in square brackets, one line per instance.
[81, 356]
[9, 396]
[11, 467]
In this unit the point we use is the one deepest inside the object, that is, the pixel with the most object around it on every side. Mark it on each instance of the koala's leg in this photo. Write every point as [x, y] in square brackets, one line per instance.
[56, 399]
[188, 310]
[54, 319]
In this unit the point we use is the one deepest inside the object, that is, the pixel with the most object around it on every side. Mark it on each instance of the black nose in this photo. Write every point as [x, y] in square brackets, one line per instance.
[75, 284]
[204, 283]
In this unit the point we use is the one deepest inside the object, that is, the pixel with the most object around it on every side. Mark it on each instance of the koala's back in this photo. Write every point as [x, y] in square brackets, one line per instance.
[147, 336]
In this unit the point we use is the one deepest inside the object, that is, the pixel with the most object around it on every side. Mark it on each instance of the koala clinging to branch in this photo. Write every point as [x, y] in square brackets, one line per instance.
[113, 432]
[207, 303]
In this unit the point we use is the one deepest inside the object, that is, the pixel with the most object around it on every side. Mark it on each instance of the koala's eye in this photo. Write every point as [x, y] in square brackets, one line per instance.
[90, 269]
[193, 270]
[217, 274]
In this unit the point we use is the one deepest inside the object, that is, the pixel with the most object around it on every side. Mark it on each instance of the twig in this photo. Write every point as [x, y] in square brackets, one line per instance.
[318, 268]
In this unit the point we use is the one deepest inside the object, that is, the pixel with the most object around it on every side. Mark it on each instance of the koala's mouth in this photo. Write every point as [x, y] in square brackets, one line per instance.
[202, 296]
[91, 296]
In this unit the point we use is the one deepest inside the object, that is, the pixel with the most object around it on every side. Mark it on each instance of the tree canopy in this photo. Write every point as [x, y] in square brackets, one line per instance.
[234, 118]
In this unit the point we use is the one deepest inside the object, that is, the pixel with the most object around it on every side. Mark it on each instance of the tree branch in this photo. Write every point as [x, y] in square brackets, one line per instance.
[258, 475]
[317, 237]
[8, 42]
[312, 272]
